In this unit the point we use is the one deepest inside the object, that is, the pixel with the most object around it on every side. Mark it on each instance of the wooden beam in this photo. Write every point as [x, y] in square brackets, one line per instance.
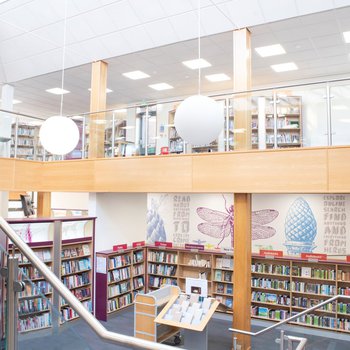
[97, 103]
[242, 82]
[242, 266]
[44, 204]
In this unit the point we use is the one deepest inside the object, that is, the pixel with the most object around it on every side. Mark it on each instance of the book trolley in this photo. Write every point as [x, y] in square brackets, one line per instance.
[147, 307]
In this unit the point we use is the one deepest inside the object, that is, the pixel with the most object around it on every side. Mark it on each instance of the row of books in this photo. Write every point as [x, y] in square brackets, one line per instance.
[82, 250]
[72, 266]
[35, 289]
[117, 303]
[42, 254]
[271, 269]
[118, 289]
[82, 293]
[220, 288]
[270, 283]
[119, 261]
[119, 274]
[30, 272]
[198, 262]
[34, 322]
[343, 308]
[138, 282]
[76, 280]
[344, 324]
[317, 320]
[225, 276]
[157, 282]
[166, 270]
[138, 269]
[228, 302]
[315, 288]
[224, 263]
[344, 290]
[280, 299]
[307, 303]
[67, 313]
[343, 275]
[269, 313]
[306, 271]
[164, 257]
[26, 306]
[138, 256]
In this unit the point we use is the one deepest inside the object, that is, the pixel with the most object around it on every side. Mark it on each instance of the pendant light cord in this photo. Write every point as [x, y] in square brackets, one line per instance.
[63, 54]
[199, 46]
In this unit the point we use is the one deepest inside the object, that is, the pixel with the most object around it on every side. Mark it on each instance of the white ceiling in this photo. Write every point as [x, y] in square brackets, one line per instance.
[155, 36]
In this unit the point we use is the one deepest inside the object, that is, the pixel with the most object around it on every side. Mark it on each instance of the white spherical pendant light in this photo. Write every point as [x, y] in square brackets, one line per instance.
[199, 120]
[59, 135]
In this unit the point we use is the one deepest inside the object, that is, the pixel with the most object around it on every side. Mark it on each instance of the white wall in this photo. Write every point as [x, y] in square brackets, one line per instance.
[121, 218]
[69, 200]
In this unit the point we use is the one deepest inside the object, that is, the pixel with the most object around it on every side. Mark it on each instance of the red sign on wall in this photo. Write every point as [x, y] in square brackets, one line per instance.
[163, 244]
[312, 256]
[120, 247]
[138, 244]
[348, 258]
[265, 252]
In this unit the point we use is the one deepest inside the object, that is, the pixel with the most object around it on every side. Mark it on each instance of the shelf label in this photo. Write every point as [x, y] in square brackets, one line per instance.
[118, 247]
[271, 253]
[138, 244]
[313, 257]
[163, 244]
[194, 246]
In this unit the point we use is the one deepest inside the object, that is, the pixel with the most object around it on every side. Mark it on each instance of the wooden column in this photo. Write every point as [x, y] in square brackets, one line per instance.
[242, 201]
[97, 103]
[242, 266]
[44, 204]
[242, 82]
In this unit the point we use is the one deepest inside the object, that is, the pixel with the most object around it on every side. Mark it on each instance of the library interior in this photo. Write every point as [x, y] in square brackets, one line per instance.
[175, 174]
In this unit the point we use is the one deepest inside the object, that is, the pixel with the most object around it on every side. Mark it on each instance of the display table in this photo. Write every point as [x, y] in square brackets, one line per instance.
[192, 314]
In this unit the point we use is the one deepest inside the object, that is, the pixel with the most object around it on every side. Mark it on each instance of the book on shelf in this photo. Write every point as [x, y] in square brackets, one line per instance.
[263, 311]
[227, 276]
[220, 288]
[86, 249]
[229, 302]
[218, 275]
[306, 271]
[229, 289]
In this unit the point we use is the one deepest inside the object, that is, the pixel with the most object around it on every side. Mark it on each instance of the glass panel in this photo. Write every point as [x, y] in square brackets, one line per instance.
[263, 120]
[152, 126]
[302, 116]
[340, 116]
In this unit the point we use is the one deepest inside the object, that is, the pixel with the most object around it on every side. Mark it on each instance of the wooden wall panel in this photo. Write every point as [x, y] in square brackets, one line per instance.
[7, 167]
[339, 170]
[144, 174]
[27, 175]
[69, 176]
[313, 170]
[281, 171]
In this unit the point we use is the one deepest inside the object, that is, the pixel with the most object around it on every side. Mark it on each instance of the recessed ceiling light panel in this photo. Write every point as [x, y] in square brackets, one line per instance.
[107, 90]
[197, 63]
[271, 50]
[161, 86]
[136, 74]
[217, 77]
[284, 67]
[57, 91]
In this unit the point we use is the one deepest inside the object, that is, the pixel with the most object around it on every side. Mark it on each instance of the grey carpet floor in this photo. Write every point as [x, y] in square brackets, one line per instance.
[78, 336]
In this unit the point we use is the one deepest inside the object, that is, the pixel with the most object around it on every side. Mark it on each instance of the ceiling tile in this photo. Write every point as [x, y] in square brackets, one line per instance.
[78, 29]
[172, 7]
[327, 40]
[311, 6]
[8, 31]
[138, 38]
[147, 11]
[185, 25]
[274, 10]
[214, 21]
[243, 14]
[116, 44]
[161, 32]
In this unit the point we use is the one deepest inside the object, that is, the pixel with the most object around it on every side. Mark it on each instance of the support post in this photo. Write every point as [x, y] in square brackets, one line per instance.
[44, 204]
[242, 82]
[97, 103]
[242, 267]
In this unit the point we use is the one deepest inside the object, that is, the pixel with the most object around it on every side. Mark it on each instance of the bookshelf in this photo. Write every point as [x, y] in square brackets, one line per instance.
[283, 129]
[66, 246]
[120, 276]
[176, 144]
[222, 281]
[76, 274]
[162, 267]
